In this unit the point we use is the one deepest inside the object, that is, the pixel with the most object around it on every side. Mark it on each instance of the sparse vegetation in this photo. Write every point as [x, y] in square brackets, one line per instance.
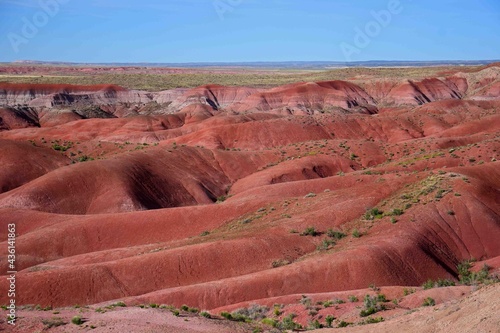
[429, 301]
[429, 284]
[310, 231]
[335, 234]
[54, 322]
[77, 320]
[372, 320]
[353, 299]
[329, 320]
[373, 213]
[371, 305]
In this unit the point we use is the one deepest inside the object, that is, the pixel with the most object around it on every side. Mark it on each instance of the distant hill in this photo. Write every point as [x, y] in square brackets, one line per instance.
[280, 65]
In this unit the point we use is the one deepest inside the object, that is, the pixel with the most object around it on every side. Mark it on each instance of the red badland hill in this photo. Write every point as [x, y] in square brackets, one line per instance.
[225, 197]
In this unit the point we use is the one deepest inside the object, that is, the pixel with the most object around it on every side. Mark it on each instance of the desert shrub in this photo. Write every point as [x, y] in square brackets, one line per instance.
[310, 231]
[335, 234]
[175, 312]
[314, 325]
[226, 315]
[77, 320]
[85, 158]
[59, 147]
[429, 301]
[277, 311]
[329, 320]
[306, 301]
[352, 299]
[371, 305]
[326, 244]
[445, 283]
[54, 322]
[288, 323]
[280, 262]
[119, 304]
[221, 199]
[372, 320]
[468, 277]
[254, 312]
[205, 314]
[428, 284]
[269, 321]
[344, 324]
[407, 291]
[396, 212]
[373, 213]
[356, 233]
[327, 304]
[312, 312]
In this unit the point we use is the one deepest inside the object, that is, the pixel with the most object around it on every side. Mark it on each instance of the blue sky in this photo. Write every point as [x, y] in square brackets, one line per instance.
[248, 30]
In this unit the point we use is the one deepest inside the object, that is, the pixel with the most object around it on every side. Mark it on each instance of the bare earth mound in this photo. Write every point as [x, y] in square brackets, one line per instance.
[285, 203]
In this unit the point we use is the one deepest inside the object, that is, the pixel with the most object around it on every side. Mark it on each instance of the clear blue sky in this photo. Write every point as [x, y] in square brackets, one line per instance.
[248, 30]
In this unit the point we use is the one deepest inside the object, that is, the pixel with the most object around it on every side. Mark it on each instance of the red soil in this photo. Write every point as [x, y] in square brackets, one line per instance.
[205, 206]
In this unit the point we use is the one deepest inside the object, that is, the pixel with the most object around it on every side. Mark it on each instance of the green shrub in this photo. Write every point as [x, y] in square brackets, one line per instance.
[326, 244]
[429, 284]
[288, 323]
[254, 312]
[344, 324]
[54, 322]
[367, 312]
[429, 301]
[314, 325]
[407, 291]
[373, 213]
[371, 305]
[327, 304]
[205, 314]
[445, 283]
[119, 304]
[329, 320]
[310, 231]
[226, 315]
[335, 234]
[221, 199]
[269, 321]
[353, 299]
[372, 320]
[397, 212]
[306, 301]
[356, 233]
[77, 320]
